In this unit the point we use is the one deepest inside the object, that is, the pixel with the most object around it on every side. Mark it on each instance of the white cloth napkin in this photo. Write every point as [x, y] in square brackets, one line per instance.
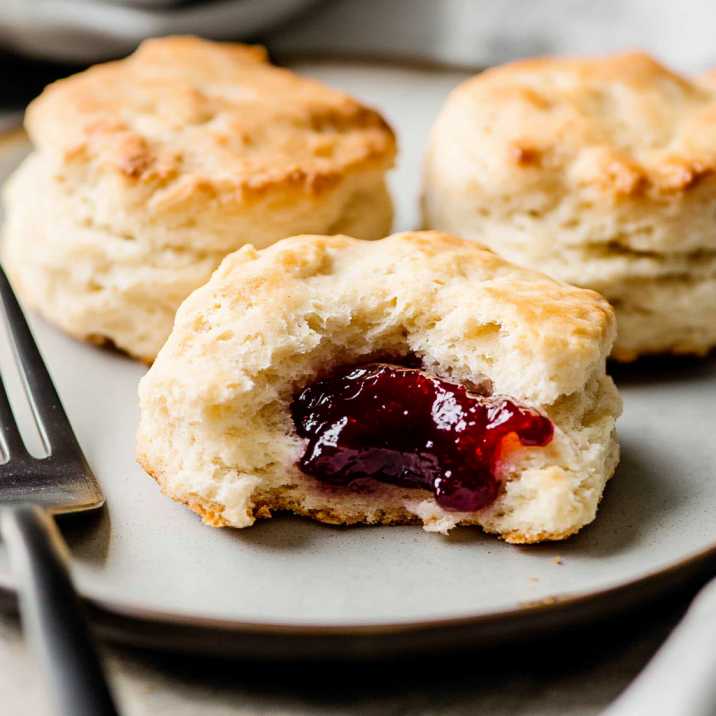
[485, 32]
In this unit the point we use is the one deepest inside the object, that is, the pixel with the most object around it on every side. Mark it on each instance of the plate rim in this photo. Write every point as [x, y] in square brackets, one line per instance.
[132, 623]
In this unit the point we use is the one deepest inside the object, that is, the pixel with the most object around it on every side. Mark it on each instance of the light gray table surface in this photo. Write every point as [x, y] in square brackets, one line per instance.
[569, 675]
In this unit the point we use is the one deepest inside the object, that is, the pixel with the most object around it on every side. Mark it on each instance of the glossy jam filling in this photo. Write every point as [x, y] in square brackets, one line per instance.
[403, 426]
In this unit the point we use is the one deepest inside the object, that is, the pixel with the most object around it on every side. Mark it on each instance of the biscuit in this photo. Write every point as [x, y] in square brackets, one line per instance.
[216, 428]
[148, 171]
[599, 172]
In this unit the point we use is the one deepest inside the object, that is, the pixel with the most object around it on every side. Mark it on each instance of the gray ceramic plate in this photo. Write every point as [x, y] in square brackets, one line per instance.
[155, 575]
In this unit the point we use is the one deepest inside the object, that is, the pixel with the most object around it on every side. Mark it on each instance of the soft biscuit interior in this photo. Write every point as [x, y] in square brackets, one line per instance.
[216, 429]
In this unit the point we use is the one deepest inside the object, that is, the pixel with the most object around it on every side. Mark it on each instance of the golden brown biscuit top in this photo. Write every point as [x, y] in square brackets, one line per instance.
[623, 123]
[423, 268]
[448, 297]
[216, 112]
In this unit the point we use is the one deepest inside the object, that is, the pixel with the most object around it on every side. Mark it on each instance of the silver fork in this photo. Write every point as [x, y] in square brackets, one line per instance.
[31, 491]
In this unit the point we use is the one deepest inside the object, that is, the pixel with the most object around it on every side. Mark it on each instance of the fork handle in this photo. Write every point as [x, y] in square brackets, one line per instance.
[52, 614]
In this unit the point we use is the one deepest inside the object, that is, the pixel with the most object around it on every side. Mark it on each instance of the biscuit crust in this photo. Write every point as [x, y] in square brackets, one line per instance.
[215, 428]
[598, 171]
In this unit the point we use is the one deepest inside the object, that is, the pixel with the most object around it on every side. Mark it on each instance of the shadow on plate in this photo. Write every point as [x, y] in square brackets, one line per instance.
[280, 533]
[663, 369]
[87, 534]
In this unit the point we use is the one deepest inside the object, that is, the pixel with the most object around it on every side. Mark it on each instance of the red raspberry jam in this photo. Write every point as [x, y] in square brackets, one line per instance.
[403, 426]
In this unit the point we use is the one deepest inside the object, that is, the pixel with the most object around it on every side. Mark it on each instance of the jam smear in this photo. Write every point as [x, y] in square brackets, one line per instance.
[406, 427]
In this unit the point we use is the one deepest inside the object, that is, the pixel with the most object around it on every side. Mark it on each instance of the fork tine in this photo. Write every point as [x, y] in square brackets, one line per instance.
[10, 439]
[50, 416]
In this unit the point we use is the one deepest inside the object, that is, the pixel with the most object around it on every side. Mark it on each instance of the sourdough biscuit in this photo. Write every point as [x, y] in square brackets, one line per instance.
[216, 429]
[599, 172]
[148, 171]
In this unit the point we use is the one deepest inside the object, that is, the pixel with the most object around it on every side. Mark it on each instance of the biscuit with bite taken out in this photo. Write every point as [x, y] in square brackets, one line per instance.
[231, 408]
